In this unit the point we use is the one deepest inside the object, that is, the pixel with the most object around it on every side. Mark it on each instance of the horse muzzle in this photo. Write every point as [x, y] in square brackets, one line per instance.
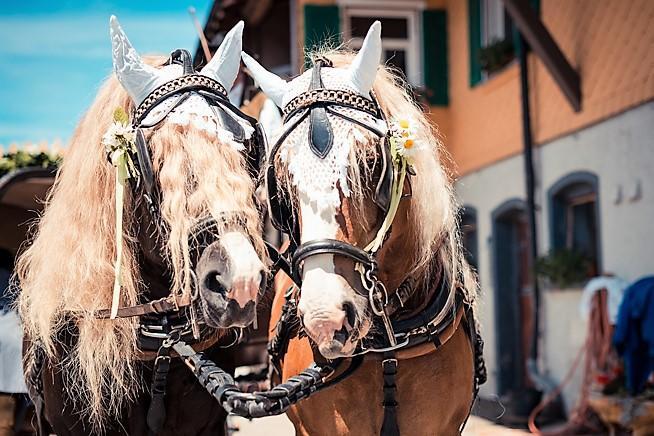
[228, 293]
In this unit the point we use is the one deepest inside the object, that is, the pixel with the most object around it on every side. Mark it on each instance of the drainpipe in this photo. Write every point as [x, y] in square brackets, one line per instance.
[530, 188]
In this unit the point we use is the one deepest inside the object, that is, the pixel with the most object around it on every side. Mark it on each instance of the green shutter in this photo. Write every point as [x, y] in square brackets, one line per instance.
[474, 32]
[434, 44]
[321, 24]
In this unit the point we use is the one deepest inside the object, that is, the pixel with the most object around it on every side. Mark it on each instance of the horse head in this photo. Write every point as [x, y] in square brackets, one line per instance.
[194, 198]
[328, 164]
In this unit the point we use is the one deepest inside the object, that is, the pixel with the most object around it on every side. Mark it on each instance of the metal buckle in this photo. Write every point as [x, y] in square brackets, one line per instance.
[397, 346]
[378, 298]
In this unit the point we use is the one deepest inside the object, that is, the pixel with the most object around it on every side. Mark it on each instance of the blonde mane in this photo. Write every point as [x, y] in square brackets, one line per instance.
[433, 211]
[68, 268]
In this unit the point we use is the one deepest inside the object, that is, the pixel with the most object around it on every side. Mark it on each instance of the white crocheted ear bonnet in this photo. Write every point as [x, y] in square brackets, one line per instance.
[140, 79]
[315, 176]
[310, 173]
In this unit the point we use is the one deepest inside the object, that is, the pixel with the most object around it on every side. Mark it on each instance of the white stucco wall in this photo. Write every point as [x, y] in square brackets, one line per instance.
[620, 151]
[565, 334]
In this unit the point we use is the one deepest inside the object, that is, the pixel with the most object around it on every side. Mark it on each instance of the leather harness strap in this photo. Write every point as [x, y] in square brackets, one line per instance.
[146, 356]
[155, 307]
[390, 426]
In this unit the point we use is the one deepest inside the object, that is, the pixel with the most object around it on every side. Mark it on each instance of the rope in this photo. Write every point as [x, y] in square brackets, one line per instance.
[595, 351]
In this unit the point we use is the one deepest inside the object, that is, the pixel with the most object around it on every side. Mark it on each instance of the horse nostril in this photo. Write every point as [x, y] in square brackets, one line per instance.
[213, 283]
[350, 314]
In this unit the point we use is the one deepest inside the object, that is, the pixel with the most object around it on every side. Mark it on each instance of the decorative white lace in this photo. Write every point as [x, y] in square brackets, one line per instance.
[317, 177]
[196, 111]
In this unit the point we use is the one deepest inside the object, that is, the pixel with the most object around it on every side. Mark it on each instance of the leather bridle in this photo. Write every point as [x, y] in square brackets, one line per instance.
[317, 104]
[143, 186]
[180, 89]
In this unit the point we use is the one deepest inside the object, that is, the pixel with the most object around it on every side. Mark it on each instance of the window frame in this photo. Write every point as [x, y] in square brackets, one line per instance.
[470, 212]
[554, 194]
[412, 46]
[476, 36]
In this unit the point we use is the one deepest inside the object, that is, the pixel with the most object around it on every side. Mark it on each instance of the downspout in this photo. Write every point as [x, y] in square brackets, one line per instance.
[531, 201]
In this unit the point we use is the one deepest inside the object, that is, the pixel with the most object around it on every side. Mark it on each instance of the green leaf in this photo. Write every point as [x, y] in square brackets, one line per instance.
[120, 116]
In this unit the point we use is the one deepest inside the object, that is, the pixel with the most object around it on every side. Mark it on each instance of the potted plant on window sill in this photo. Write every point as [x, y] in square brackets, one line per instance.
[496, 55]
[563, 269]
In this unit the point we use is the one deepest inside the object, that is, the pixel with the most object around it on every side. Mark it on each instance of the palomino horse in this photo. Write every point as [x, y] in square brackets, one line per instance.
[184, 262]
[355, 155]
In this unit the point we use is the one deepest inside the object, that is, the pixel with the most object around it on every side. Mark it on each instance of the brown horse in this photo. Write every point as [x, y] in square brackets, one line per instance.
[191, 250]
[336, 183]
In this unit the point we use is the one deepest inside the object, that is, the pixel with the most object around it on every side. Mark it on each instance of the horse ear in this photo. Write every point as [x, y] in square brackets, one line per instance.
[225, 63]
[271, 84]
[364, 66]
[138, 78]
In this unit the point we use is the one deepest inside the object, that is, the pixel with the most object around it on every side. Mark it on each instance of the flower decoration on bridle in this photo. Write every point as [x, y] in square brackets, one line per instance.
[120, 144]
[405, 146]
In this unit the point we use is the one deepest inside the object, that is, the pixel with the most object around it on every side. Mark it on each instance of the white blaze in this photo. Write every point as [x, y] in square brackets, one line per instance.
[245, 270]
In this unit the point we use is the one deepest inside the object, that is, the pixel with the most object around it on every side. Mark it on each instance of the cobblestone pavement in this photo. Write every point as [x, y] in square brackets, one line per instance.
[280, 426]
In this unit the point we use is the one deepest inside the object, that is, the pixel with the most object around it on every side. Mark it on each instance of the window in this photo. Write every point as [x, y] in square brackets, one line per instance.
[491, 33]
[574, 217]
[469, 236]
[496, 24]
[400, 36]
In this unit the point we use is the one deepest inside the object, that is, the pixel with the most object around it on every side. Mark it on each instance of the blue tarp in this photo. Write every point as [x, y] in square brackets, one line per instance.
[634, 333]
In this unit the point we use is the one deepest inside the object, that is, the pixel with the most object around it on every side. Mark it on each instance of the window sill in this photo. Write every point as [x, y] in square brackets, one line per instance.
[499, 78]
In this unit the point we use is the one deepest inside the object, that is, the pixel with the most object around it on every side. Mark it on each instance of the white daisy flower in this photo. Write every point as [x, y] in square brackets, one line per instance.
[119, 134]
[405, 139]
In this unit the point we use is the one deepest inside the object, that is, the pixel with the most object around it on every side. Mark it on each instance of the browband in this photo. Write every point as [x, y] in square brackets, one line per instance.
[186, 83]
[338, 97]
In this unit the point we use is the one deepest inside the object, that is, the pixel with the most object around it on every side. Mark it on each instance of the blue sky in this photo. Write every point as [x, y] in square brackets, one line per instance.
[54, 55]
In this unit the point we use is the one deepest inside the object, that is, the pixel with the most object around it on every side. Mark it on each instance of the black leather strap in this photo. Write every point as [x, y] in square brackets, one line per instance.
[179, 85]
[321, 136]
[281, 211]
[390, 426]
[278, 260]
[182, 57]
[156, 416]
[145, 164]
[327, 246]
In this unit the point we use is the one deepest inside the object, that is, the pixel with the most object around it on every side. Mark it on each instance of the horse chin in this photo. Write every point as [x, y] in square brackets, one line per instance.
[334, 350]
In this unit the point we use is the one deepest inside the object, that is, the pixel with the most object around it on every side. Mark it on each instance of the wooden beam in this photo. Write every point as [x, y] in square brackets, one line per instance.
[542, 43]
